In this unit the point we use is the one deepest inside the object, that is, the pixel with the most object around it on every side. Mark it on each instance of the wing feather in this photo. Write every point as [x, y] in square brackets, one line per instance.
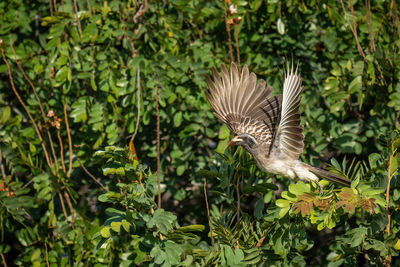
[289, 137]
[243, 103]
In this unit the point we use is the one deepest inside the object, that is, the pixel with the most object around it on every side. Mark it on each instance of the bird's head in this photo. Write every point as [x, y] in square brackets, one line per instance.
[245, 140]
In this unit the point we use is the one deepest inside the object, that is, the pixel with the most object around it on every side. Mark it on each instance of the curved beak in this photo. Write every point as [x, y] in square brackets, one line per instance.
[233, 141]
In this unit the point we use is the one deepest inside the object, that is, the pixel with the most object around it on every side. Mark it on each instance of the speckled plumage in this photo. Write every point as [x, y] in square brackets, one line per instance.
[267, 127]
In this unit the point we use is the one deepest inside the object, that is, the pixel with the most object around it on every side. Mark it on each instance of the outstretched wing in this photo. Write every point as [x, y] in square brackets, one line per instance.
[289, 138]
[243, 104]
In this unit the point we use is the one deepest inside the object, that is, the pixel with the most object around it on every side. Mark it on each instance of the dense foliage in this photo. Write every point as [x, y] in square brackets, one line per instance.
[79, 78]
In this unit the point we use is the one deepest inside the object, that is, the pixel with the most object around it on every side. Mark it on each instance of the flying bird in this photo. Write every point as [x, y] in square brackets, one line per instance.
[268, 127]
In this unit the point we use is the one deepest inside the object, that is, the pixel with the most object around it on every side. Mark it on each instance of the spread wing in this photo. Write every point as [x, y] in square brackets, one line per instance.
[243, 104]
[289, 138]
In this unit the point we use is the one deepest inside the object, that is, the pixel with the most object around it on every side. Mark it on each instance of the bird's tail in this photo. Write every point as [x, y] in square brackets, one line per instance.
[330, 176]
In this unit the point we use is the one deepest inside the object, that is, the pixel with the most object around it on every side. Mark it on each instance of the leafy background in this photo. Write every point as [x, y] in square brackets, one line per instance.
[108, 69]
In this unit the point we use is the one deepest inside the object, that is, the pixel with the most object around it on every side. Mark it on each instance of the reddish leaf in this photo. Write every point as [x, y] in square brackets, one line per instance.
[322, 204]
[304, 205]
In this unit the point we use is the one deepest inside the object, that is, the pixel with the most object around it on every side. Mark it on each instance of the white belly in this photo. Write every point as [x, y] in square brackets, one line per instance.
[294, 169]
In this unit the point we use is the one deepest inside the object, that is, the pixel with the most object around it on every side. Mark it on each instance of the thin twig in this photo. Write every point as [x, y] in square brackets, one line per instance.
[63, 205]
[4, 259]
[55, 6]
[62, 5]
[369, 24]
[77, 18]
[158, 148]
[71, 209]
[24, 106]
[355, 30]
[354, 27]
[47, 255]
[237, 44]
[390, 175]
[69, 139]
[228, 31]
[51, 8]
[61, 150]
[208, 215]
[37, 99]
[141, 12]
[88, 6]
[137, 103]
[97, 181]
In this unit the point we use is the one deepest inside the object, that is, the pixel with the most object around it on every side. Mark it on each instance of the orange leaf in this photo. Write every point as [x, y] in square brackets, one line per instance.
[133, 151]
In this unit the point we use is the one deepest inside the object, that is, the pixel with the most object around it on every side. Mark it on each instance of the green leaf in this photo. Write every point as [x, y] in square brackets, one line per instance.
[126, 225]
[115, 226]
[397, 245]
[280, 26]
[357, 236]
[394, 167]
[192, 228]
[223, 132]
[105, 232]
[259, 209]
[5, 114]
[79, 113]
[178, 119]
[61, 75]
[355, 85]
[164, 220]
[299, 188]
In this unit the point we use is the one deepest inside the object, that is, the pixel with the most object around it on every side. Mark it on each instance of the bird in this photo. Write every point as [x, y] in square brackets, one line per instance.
[268, 127]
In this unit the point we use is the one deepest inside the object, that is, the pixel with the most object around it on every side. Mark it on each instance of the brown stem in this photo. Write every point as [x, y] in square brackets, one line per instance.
[355, 30]
[61, 150]
[77, 18]
[24, 106]
[51, 8]
[158, 148]
[142, 10]
[354, 27]
[208, 215]
[4, 259]
[69, 139]
[66, 195]
[390, 175]
[55, 6]
[369, 24]
[47, 255]
[237, 45]
[97, 181]
[228, 31]
[62, 5]
[63, 205]
[88, 6]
